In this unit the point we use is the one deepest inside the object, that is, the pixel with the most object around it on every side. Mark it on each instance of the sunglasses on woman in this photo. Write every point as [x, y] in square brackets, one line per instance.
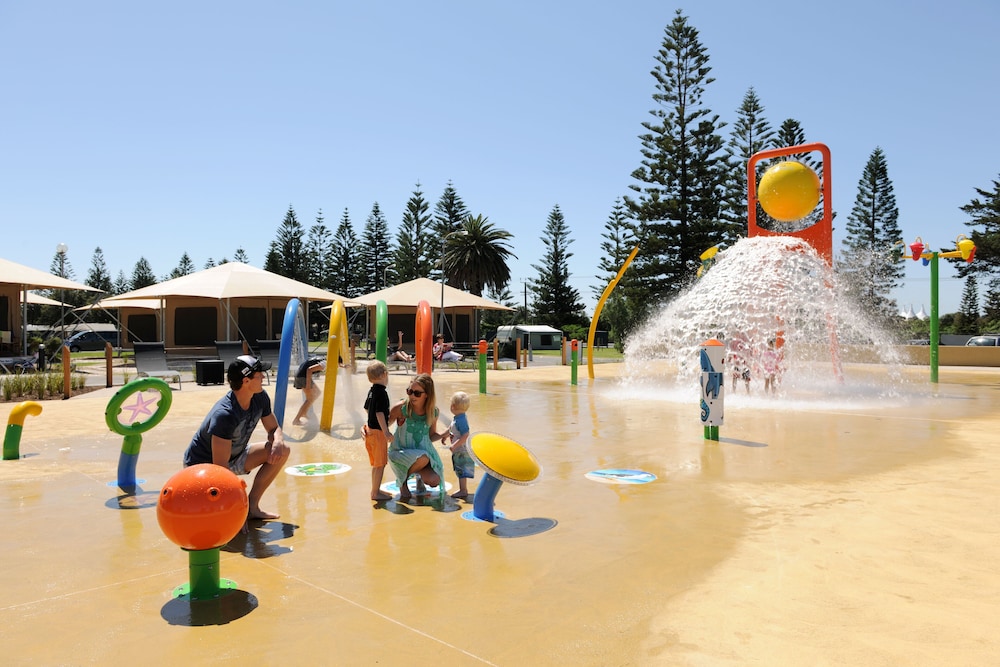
[414, 392]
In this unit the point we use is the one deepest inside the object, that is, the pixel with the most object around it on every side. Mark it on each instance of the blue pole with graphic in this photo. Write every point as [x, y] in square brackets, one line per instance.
[712, 357]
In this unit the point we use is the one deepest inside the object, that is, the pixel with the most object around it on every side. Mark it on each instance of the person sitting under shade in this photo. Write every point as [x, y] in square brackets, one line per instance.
[397, 353]
[442, 351]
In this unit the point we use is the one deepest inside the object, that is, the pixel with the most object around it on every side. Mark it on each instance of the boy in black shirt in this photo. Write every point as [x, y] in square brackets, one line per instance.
[377, 438]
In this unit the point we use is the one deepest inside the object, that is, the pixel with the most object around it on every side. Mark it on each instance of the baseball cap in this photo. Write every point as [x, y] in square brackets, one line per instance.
[245, 366]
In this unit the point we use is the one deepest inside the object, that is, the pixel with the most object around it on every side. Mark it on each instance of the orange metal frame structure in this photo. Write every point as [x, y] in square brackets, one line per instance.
[818, 235]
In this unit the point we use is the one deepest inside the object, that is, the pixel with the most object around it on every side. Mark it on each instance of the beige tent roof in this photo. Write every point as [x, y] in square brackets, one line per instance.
[39, 300]
[424, 289]
[229, 281]
[115, 302]
[29, 278]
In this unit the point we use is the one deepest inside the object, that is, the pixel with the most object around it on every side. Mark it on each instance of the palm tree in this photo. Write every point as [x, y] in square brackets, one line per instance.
[478, 259]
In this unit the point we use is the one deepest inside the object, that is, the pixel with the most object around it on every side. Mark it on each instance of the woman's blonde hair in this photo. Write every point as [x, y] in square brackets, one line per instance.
[426, 383]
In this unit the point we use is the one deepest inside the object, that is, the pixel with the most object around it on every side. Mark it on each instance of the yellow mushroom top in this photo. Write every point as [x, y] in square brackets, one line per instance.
[504, 459]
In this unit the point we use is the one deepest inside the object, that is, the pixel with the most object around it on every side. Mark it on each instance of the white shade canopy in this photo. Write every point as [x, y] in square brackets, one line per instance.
[424, 289]
[28, 278]
[229, 281]
[115, 302]
[39, 300]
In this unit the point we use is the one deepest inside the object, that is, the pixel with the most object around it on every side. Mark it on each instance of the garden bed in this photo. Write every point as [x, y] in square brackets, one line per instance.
[39, 386]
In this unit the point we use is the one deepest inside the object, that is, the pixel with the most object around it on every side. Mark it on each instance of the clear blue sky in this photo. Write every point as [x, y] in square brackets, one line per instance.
[157, 128]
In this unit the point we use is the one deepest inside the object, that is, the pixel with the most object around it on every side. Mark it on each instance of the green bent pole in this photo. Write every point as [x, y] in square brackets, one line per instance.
[934, 318]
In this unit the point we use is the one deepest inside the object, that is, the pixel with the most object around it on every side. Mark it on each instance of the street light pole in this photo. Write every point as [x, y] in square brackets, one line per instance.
[444, 240]
[385, 281]
[61, 250]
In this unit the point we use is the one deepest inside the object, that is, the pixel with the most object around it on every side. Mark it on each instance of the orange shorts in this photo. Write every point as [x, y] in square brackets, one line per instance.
[378, 447]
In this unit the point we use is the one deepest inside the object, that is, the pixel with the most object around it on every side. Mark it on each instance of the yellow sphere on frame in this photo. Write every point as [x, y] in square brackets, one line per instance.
[788, 191]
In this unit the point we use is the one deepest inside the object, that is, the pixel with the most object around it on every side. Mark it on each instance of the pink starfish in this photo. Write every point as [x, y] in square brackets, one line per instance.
[141, 405]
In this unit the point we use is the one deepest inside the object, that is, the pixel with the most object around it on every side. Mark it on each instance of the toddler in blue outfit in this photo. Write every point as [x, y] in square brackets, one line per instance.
[461, 460]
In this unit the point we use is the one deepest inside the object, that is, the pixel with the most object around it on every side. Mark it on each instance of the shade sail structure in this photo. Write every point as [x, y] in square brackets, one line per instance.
[26, 277]
[115, 302]
[39, 300]
[15, 281]
[231, 280]
[424, 289]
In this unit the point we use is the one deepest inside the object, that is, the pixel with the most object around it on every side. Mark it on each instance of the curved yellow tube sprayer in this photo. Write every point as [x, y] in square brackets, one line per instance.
[15, 422]
[337, 348]
[21, 411]
[597, 311]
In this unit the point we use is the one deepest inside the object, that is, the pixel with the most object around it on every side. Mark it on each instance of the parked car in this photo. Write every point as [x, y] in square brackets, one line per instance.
[988, 340]
[90, 341]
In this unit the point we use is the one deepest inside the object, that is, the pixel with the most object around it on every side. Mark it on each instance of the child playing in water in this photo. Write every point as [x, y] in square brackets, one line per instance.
[461, 460]
[770, 362]
[738, 360]
[305, 380]
[377, 436]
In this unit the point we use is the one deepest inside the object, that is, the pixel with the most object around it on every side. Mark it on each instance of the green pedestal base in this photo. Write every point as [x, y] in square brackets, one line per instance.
[225, 586]
[204, 582]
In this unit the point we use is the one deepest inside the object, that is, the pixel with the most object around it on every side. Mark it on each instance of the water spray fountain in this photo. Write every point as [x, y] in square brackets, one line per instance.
[769, 292]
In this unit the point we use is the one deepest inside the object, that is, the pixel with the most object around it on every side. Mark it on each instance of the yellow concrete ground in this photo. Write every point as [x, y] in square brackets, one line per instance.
[844, 534]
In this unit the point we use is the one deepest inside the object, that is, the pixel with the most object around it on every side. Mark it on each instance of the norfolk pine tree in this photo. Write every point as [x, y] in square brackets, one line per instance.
[142, 275]
[751, 134]
[871, 263]
[318, 255]
[287, 254]
[376, 250]
[98, 276]
[984, 225]
[415, 246]
[967, 321]
[184, 267]
[449, 212]
[991, 305]
[556, 303]
[618, 243]
[346, 259]
[682, 175]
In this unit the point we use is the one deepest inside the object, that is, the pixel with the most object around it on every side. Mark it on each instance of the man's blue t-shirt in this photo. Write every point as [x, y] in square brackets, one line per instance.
[230, 422]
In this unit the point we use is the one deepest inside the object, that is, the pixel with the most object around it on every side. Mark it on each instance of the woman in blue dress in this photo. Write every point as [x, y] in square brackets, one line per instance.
[412, 450]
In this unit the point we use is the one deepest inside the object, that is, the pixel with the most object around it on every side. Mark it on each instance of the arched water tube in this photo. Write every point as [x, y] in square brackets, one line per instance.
[597, 311]
[381, 331]
[15, 422]
[337, 347]
[293, 331]
[424, 336]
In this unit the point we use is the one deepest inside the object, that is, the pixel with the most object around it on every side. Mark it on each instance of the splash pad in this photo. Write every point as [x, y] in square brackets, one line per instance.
[760, 292]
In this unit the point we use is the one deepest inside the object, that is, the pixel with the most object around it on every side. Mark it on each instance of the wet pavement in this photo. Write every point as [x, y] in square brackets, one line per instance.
[813, 532]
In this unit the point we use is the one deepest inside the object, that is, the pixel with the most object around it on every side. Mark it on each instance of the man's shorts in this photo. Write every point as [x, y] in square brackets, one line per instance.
[377, 446]
[239, 466]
